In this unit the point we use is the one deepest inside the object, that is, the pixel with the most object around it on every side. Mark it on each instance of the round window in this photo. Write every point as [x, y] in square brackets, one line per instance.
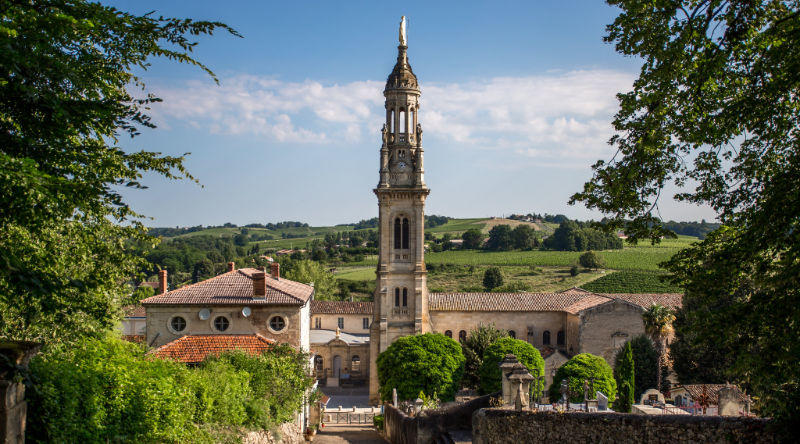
[277, 323]
[177, 323]
[221, 323]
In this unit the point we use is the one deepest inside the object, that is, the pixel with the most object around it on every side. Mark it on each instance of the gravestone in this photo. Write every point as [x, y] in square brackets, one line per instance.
[651, 396]
[602, 402]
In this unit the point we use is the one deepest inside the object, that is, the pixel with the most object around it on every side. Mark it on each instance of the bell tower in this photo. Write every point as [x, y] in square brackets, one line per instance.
[401, 294]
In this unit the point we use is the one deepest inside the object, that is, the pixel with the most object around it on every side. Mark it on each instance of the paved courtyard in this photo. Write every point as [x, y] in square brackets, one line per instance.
[348, 433]
[347, 397]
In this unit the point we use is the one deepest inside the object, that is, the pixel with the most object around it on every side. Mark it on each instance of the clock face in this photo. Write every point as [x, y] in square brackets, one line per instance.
[401, 166]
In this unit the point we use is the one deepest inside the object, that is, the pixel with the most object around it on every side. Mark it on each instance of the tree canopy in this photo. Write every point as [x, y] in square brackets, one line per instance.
[474, 347]
[579, 369]
[430, 363]
[490, 368]
[645, 364]
[715, 110]
[492, 278]
[625, 375]
[66, 234]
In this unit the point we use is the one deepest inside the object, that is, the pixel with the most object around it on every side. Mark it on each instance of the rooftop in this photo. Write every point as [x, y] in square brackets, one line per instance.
[571, 301]
[325, 336]
[341, 307]
[235, 288]
[192, 349]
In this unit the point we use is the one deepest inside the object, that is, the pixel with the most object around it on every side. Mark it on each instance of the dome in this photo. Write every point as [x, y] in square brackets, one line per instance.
[402, 77]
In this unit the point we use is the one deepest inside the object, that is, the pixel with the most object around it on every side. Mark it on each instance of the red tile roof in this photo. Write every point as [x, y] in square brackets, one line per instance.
[191, 349]
[341, 307]
[133, 338]
[712, 390]
[235, 288]
[134, 311]
[574, 301]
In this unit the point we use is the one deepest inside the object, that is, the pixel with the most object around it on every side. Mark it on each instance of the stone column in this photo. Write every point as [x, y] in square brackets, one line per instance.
[506, 367]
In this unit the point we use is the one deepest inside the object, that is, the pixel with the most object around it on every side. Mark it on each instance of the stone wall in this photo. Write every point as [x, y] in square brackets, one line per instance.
[399, 427]
[353, 323]
[512, 427]
[605, 328]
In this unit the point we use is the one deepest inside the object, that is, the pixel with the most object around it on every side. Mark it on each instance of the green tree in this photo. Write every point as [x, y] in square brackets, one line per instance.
[590, 259]
[527, 354]
[645, 364]
[523, 237]
[567, 237]
[202, 270]
[698, 359]
[658, 325]
[472, 239]
[492, 278]
[500, 238]
[579, 369]
[474, 348]
[430, 363]
[625, 376]
[307, 271]
[716, 106]
[240, 240]
[67, 237]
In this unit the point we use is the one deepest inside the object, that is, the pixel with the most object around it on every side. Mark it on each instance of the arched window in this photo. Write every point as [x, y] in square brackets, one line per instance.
[462, 336]
[449, 334]
[355, 363]
[546, 337]
[405, 297]
[405, 233]
[560, 337]
[512, 333]
[397, 297]
[397, 234]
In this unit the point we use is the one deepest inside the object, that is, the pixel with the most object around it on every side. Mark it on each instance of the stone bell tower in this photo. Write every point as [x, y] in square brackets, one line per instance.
[401, 294]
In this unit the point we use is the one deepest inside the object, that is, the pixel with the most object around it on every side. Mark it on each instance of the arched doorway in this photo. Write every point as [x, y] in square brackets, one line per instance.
[337, 366]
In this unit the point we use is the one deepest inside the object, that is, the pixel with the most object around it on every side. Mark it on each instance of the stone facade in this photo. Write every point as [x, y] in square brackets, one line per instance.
[352, 323]
[159, 331]
[603, 329]
[498, 426]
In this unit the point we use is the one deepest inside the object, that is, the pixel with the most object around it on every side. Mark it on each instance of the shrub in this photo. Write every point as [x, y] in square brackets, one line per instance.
[527, 354]
[377, 422]
[573, 270]
[514, 287]
[579, 369]
[492, 278]
[590, 259]
[430, 363]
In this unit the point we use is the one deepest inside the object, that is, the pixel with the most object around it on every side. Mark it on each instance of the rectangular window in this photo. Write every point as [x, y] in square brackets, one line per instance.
[317, 323]
[366, 323]
[341, 322]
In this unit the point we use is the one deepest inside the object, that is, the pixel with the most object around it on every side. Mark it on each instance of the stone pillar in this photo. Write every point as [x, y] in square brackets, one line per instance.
[520, 382]
[506, 367]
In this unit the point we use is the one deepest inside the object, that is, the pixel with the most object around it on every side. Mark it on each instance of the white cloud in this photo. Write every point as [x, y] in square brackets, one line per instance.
[555, 116]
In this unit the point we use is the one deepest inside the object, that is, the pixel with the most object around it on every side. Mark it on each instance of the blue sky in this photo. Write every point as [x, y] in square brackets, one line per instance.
[517, 99]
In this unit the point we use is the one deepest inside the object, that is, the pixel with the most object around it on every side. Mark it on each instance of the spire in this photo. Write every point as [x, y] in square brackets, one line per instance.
[402, 77]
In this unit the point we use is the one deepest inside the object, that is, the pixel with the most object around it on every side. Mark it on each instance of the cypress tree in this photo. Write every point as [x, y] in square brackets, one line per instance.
[625, 383]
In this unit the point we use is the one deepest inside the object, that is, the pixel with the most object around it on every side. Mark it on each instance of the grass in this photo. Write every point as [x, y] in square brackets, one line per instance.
[458, 226]
[356, 273]
[466, 278]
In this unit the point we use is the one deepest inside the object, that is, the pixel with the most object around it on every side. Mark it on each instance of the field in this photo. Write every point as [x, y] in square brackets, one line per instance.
[632, 282]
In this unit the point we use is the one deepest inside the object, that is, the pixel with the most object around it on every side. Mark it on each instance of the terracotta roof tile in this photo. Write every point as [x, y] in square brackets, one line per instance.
[644, 300]
[134, 311]
[235, 288]
[341, 307]
[133, 338]
[195, 348]
[568, 302]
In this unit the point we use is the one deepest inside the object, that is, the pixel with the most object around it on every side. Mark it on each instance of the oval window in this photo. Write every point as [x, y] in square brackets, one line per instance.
[277, 323]
[177, 323]
[221, 323]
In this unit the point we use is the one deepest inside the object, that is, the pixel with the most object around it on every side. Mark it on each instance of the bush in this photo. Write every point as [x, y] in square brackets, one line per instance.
[579, 369]
[107, 390]
[590, 259]
[573, 270]
[431, 363]
[492, 278]
[514, 287]
[527, 354]
[377, 422]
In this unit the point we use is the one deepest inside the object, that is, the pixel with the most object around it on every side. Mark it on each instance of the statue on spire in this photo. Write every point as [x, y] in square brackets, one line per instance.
[403, 31]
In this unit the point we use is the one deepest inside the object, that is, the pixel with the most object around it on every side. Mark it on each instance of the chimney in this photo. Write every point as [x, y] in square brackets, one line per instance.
[275, 269]
[231, 266]
[259, 285]
[162, 281]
